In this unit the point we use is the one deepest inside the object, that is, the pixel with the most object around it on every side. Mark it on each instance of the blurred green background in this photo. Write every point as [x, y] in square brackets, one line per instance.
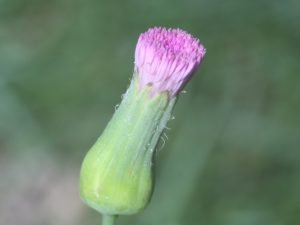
[232, 155]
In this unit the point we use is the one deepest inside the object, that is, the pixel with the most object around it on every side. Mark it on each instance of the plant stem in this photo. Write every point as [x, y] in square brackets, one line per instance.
[108, 219]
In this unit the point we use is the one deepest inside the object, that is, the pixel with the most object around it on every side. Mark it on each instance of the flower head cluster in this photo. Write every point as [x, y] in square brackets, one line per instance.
[166, 58]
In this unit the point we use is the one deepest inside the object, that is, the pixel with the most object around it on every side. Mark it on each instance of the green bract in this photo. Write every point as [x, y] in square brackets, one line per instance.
[116, 174]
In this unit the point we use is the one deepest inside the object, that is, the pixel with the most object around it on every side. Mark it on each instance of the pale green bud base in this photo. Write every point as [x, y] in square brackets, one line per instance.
[116, 175]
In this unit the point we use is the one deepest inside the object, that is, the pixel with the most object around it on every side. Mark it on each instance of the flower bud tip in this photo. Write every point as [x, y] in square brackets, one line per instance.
[166, 59]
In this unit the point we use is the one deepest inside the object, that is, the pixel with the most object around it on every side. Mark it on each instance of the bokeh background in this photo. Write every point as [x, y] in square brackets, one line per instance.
[232, 155]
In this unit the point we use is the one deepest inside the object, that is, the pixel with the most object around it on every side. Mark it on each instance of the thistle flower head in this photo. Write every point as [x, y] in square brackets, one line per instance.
[166, 59]
[116, 176]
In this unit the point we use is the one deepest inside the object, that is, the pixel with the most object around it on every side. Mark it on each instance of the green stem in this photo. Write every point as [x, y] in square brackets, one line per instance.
[108, 219]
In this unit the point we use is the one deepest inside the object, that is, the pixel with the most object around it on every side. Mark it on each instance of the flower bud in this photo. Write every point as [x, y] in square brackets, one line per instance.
[116, 175]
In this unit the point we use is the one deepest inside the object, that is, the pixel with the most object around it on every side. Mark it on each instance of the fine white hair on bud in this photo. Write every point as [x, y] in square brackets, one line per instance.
[166, 59]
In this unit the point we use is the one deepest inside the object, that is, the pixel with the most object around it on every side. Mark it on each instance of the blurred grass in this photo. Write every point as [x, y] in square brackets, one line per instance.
[233, 151]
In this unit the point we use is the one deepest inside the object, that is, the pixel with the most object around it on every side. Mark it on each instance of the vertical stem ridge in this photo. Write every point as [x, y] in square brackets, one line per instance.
[108, 219]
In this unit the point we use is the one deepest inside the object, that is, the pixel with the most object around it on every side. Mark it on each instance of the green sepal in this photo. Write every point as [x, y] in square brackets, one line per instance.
[116, 174]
